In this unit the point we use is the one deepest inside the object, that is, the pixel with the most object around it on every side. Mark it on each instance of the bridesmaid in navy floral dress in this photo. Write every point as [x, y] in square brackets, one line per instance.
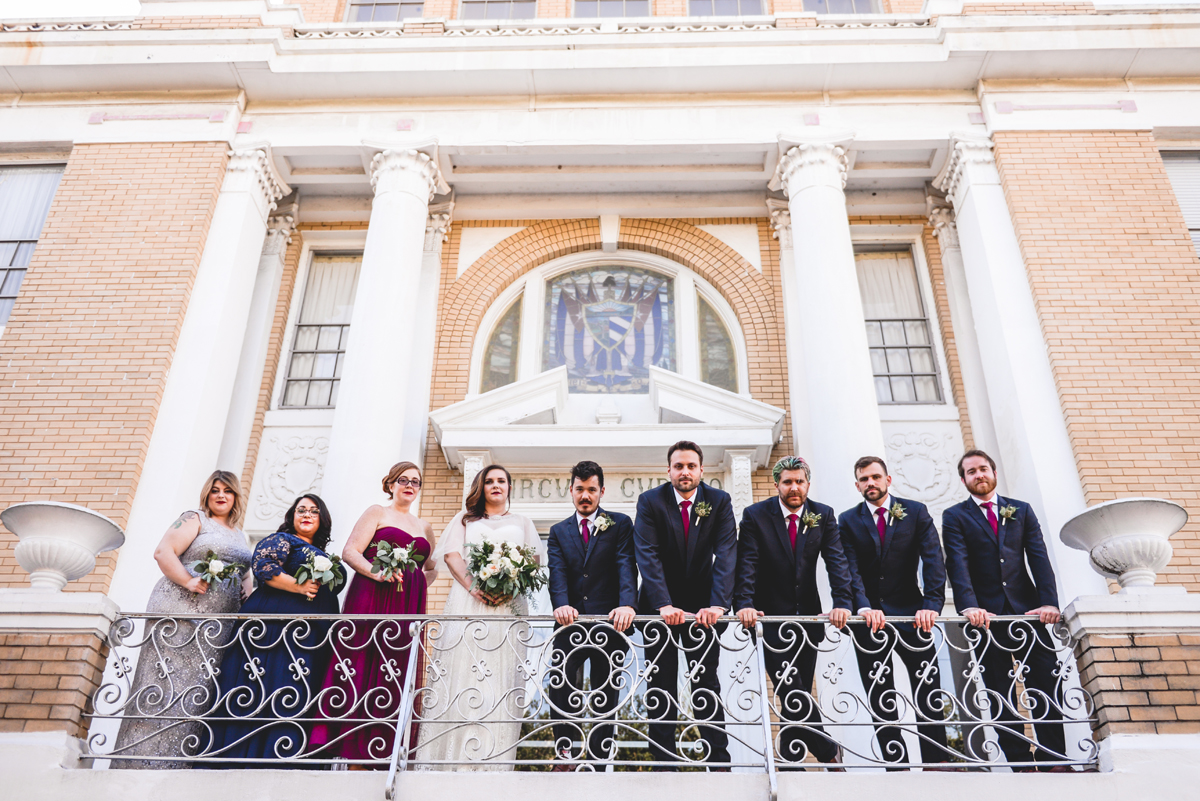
[271, 674]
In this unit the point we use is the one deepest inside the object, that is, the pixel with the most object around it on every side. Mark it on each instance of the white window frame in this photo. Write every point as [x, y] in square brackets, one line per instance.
[532, 289]
[912, 237]
[49, 162]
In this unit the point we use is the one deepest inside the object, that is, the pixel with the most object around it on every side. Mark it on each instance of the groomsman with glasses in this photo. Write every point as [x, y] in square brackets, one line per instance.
[891, 544]
[989, 540]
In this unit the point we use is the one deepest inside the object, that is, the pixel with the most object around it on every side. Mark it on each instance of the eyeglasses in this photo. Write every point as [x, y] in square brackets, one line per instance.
[308, 512]
[415, 483]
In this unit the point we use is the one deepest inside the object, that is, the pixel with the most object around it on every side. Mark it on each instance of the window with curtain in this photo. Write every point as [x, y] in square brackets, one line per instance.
[374, 11]
[319, 347]
[1184, 171]
[725, 8]
[612, 8]
[500, 358]
[718, 363]
[898, 332]
[25, 196]
[498, 9]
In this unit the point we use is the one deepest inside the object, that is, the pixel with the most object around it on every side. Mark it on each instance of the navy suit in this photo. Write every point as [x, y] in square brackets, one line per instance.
[777, 580]
[885, 578]
[691, 573]
[594, 579]
[988, 571]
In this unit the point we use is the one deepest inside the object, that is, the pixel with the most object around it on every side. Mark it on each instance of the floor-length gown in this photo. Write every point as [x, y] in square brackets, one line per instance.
[173, 680]
[366, 676]
[271, 673]
[476, 686]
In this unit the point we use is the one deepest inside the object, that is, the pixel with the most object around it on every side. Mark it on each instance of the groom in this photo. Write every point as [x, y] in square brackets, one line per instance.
[685, 538]
[592, 572]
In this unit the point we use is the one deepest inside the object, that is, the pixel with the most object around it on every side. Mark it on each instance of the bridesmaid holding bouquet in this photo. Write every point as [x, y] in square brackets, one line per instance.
[359, 690]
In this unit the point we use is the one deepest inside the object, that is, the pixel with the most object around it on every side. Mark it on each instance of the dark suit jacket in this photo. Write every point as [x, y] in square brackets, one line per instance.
[597, 579]
[776, 580]
[988, 574]
[691, 578]
[888, 580]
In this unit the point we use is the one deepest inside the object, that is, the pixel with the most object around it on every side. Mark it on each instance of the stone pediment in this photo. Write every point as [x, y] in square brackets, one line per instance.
[537, 423]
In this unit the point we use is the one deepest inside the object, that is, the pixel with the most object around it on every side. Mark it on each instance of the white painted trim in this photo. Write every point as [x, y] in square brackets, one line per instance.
[687, 326]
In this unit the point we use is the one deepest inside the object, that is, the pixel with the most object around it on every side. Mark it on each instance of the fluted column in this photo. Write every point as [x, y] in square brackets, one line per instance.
[192, 416]
[380, 381]
[1031, 431]
[824, 307]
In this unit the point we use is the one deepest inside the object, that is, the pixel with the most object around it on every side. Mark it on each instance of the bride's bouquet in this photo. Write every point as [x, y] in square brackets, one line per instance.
[325, 570]
[501, 568]
[391, 560]
[210, 569]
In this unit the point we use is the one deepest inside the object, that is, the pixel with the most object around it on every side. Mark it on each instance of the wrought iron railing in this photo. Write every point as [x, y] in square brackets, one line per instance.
[504, 692]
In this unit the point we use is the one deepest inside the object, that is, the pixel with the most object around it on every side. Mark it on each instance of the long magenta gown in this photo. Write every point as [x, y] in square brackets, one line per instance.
[365, 680]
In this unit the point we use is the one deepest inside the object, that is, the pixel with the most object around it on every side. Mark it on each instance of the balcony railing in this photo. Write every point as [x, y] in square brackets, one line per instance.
[503, 692]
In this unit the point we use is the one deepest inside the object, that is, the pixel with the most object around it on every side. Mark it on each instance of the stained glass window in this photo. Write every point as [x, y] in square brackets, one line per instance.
[718, 364]
[609, 325]
[500, 358]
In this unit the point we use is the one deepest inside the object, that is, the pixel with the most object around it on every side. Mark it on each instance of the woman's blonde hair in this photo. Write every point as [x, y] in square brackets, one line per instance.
[239, 501]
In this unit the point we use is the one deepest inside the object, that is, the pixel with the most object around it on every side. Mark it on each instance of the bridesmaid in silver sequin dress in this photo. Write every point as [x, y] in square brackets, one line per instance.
[151, 726]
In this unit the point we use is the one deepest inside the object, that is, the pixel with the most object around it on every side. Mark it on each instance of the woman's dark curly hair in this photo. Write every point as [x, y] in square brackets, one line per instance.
[324, 530]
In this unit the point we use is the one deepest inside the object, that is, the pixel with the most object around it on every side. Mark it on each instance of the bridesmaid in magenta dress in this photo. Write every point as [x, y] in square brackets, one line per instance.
[357, 686]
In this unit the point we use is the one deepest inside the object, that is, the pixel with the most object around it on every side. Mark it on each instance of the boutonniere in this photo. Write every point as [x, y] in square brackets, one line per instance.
[1006, 512]
[897, 512]
[603, 522]
[809, 520]
[703, 508]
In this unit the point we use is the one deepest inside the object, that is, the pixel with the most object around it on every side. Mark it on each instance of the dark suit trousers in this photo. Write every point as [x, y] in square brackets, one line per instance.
[607, 651]
[699, 645]
[1041, 684]
[920, 658]
[789, 656]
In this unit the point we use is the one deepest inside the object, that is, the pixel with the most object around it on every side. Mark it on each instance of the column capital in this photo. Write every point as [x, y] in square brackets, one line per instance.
[280, 227]
[251, 170]
[941, 218]
[812, 161]
[437, 226]
[406, 170]
[781, 221]
[970, 160]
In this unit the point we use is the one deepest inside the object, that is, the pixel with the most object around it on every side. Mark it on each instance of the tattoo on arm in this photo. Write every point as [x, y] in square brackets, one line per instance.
[183, 518]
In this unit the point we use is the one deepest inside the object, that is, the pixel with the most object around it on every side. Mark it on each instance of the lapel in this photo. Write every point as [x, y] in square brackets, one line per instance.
[785, 540]
[892, 526]
[592, 536]
[979, 518]
[572, 535]
[802, 539]
[694, 525]
[1002, 528]
[872, 529]
[674, 520]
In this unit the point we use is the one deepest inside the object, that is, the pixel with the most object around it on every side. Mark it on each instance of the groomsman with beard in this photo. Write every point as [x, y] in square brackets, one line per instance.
[889, 542]
[988, 541]
[780, 541]
[593, 571]
[686, 543]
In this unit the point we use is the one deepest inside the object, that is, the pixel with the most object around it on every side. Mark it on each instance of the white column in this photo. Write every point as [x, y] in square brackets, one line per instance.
[843, 415]
[383, 353]
[739, 480]
[966, 342]
[472, 463]
[1031, 429]
[248, 382]
[192, 415]
[781, 221]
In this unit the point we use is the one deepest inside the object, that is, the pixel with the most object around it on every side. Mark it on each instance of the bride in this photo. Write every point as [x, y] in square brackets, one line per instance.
[475, 697]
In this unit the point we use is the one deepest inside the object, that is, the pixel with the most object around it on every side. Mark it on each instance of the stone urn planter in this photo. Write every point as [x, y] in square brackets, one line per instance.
[1127, 539]
[58, 542]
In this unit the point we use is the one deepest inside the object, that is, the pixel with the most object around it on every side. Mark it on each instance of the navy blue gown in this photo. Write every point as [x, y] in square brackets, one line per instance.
[270, 674]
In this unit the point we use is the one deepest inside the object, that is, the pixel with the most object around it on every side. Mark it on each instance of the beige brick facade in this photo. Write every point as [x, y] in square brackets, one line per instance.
[321, 10]
[1113, 273]
[85, 355]
[47, 680]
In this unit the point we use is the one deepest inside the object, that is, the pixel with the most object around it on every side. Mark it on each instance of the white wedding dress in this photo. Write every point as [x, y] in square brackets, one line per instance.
[476, 687]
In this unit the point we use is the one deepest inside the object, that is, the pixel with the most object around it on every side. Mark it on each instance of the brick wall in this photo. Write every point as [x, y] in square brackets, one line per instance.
[84, 358]
[554, 9]
[1142, 683]
[441, 8]
[46, 680]
[1114, 279]
[194, 23]
[669, 8]
[321, 10]
[1041, 9]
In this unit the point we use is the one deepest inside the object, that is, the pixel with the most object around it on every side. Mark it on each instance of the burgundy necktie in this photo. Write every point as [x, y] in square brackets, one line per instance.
[992, 518]
[583, 525]
[881, 524]
[687, 521]
[792, 529]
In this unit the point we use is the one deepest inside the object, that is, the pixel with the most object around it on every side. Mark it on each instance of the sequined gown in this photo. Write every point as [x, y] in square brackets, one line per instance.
[175, 666]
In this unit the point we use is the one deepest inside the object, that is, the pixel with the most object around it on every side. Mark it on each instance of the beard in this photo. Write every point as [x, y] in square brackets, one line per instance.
[982, 486]
[793, 501]
[684, 484]
[874, 494]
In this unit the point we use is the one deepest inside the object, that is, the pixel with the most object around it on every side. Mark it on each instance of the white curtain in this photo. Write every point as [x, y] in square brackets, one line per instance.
[888, 283]
[329, 298]
[25, 195]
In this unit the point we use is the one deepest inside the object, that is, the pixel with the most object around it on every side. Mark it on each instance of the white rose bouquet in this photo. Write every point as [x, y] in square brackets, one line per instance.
[501, 568]
[210, 569]
[325, 570]
[392, 561]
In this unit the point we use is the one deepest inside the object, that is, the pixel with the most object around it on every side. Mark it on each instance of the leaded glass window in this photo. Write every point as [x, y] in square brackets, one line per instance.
[898, 335]
[718, 363]
[500, 358]
[25, 196]
[319, 347]
[609, 325]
